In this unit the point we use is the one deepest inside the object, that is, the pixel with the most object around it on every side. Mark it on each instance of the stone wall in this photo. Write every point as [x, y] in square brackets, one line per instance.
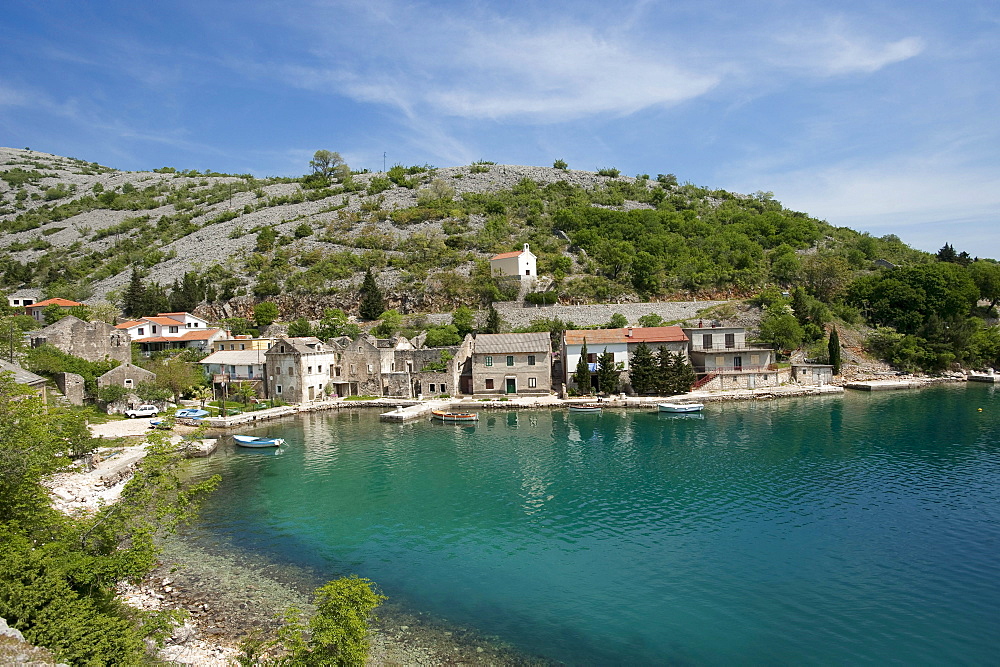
[517, 315]
[72, 387]
[93, 341]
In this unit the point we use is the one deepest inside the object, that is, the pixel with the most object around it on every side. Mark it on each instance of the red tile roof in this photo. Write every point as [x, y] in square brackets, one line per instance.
[507, 255]
[128, 325]
[201, 334]
[65, 303]
[638, 335]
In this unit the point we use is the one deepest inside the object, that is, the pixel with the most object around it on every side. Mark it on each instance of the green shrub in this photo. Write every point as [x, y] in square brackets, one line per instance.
[609, 171]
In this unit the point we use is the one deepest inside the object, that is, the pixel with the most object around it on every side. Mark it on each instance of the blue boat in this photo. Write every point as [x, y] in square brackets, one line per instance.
[191, 413]
[251, 441]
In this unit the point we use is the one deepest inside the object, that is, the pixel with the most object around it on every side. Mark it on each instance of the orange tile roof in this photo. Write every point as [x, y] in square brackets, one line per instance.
[639, 335]
[201, 334]
[128, 325]
[65, 303]
[507, 255]
[164, 321]
[169, 314]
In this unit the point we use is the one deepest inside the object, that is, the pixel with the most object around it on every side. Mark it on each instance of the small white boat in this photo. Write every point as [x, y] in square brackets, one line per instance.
[251, 441]
[191, 413]
[455, 416]
[584, 407]
[681, 407]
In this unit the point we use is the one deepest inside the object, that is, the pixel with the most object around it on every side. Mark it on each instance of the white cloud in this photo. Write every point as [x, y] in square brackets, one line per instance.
[837, 49]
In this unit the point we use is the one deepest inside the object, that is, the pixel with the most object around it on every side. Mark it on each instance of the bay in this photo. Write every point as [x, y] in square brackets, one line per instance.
[862, 528]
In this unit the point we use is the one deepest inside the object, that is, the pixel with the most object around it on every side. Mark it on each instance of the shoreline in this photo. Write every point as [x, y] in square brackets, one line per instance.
[228, 595]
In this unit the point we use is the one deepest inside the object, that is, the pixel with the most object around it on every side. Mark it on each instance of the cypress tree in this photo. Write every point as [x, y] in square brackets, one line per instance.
[682, 374]
[608, 373]
[664, 372]
[582, 375]
[494, 323]
[372, 303]
[133, 301]
[834, 348]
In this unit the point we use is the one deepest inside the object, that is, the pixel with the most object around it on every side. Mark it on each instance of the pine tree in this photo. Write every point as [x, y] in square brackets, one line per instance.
[608, 372]
[834, 349]
[372, 302]
[133, 301]
[682, 375]
[664, 375]
[582, 375]
[642, 369]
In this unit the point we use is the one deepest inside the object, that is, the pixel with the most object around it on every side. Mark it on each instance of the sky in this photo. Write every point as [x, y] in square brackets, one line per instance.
[879, 115]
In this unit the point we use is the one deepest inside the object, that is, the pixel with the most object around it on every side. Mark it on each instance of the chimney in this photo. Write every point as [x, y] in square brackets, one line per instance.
[629, 334]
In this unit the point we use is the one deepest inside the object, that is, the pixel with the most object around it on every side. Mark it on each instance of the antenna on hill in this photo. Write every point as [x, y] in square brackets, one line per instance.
[383, 162]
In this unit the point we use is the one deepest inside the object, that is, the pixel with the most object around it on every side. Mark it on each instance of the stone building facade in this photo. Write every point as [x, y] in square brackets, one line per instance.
[93, 341]
[515, 364]
[298, 369]
[127, 375]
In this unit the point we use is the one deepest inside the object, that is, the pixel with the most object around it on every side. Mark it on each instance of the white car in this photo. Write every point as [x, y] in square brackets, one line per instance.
[142, 411]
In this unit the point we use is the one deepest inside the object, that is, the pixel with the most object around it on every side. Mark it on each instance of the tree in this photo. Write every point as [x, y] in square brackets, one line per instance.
[372, 303]
[59, 572]
[582, 375]
[494, 323]
[464, 320]
[834, 348]
[618, 321]
[300, 327]
[186, 296]
[651, 320]
[337, 634]
[642, 370]
[390, 323]
[12, 343]
[133, 300]
[176, 375]
[782, 330]
[325, 163]
[986, 275]
[608, 372]
[442, 336]
[265, 313]
[682, 375]
[560, 164]
[265, 239]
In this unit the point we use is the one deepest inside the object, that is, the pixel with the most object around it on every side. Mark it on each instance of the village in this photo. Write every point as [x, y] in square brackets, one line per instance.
[276, 369]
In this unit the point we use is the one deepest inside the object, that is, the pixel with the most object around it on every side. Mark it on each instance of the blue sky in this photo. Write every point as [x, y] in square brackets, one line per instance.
[877, 115]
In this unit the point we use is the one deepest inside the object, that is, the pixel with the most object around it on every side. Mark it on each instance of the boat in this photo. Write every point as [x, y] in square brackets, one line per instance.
[251, 441]
[455, 416]
[191, 413]
[584, 407]
[681, 407]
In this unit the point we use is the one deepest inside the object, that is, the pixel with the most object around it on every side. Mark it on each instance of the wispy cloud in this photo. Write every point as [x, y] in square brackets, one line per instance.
[838, 48]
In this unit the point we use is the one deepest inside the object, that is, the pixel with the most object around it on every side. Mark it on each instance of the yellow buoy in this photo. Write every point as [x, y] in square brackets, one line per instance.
[980, 409]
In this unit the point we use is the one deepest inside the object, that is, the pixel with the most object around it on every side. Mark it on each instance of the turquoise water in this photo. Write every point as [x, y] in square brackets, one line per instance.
[838, 530]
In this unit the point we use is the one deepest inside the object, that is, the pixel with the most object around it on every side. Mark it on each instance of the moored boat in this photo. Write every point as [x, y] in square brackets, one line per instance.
[191, 413]
[681, 407]
[251, 441]
[584, 407]
[445, 416]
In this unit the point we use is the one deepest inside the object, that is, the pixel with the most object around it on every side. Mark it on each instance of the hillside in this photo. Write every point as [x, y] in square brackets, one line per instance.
[77, 229]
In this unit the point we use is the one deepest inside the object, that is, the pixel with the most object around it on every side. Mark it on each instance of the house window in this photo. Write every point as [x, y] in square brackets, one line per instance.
[141, 331]
[277, 389]
[755, 359]
[310, 370]
[532, 382]
[392, 367]
[319, 369]
[730, 341]
[531, 360]
[173, 329]
[432, 387]
[359, 349]
[242, 346]
[370, 369]
[337, 371]
[510, 359]
[153, 329]
[128, 382]
[282, 348]
[489, 383]
[352, 369]
[444, 389]
[277, 371]
[291, 371]
[706, 341]
[488, 361]
[232, 346]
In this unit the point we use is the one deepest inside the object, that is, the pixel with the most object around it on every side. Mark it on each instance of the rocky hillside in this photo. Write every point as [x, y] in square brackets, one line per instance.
[78, 230]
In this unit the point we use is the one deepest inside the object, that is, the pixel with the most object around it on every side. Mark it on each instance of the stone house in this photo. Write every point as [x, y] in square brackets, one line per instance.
[93, 341]
[298, 369]
[358, 367]
[127, 375]
[516, 363]
[814, 374]
[619, 342]
[519, 264]
[723, 359]
[22, 376]
[431, 371]
[37, 309]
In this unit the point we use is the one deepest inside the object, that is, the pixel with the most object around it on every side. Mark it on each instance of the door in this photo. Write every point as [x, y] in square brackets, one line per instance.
[738, 363]
[511, 385]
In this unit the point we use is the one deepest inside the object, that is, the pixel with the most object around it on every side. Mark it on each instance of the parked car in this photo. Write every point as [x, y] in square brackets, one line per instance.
[142, 411]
